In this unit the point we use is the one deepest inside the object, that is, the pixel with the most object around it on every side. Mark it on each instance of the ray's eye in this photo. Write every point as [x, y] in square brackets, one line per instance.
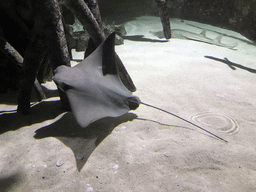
[134, 102]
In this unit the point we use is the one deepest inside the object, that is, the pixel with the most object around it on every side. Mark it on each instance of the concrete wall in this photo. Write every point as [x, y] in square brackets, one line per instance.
[238, 15]
[124, 10]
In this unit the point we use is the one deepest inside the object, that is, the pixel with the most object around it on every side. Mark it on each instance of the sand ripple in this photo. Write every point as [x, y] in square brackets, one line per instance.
[216, 121]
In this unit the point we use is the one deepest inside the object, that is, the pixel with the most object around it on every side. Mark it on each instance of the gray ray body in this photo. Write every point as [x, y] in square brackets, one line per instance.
[94, 88]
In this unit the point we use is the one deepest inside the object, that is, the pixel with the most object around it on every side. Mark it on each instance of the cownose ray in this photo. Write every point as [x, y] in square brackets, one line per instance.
[95, 90]
[93, 86]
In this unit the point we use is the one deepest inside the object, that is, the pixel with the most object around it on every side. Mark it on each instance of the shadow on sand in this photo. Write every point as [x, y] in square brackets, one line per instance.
[40, 112]
[7, 182]
[82, 141]
[63, 126]
[231, 64]
[143, 39]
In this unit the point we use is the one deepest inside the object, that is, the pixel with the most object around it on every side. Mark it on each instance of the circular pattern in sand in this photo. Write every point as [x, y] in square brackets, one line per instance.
[216, 121]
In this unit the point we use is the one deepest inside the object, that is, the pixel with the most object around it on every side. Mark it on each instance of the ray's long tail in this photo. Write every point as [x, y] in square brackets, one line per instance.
[140, 102]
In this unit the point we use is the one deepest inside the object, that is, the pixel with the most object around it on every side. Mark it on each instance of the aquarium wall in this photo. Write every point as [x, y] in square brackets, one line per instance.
[238, 15]
[124, 10]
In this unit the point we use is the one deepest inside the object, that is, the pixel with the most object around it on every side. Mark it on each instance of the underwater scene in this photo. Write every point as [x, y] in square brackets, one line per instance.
[133, 96]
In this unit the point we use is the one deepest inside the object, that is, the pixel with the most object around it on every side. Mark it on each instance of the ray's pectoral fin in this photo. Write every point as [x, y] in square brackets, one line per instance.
[94, 88]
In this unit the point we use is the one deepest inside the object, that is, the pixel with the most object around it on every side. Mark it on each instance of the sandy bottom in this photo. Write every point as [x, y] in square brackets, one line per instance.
[145, 150]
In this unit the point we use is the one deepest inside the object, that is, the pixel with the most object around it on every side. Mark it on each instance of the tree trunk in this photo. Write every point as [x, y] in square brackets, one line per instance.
[33, 57]
[163, 13]
[16, 58]
[48, 35]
